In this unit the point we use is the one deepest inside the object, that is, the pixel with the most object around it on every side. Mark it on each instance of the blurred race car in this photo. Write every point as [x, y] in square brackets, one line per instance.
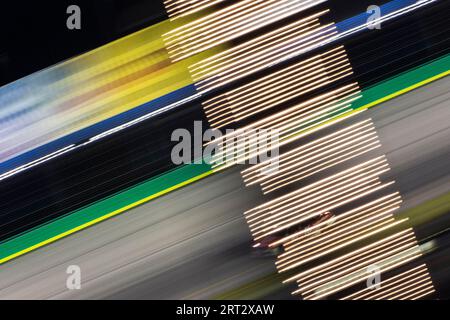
[263, 249]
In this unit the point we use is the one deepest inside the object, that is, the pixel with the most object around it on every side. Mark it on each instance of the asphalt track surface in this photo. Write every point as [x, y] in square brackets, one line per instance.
[194, 243]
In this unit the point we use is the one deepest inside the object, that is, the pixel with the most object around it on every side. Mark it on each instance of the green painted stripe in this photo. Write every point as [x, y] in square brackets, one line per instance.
[155, 187]
[101, 210]
[403, 82]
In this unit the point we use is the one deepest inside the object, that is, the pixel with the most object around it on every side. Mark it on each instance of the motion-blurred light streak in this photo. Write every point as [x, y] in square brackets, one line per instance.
[291, 242]
[85, 91]
[289, 123]
[344, 230]
[321, 196]
[139, 68]
[230, 23]
[181, 8]
[411, 284]
[284, 217]
[352, 268]
[132, 71]
[314, 157]
[259, 53]
[209, 66]
[276, 88]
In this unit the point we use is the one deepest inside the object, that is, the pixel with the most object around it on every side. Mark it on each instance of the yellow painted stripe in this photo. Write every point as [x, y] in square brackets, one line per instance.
[107, 216]
[130, 206]
[376, 102]
[410, 88]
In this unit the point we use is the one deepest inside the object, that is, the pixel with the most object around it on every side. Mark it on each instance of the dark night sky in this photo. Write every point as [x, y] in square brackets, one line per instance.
[34, 34]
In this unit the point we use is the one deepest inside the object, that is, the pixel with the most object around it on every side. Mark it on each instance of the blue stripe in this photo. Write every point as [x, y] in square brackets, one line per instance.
[98, 128]
[183, 93]
[361, 19]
